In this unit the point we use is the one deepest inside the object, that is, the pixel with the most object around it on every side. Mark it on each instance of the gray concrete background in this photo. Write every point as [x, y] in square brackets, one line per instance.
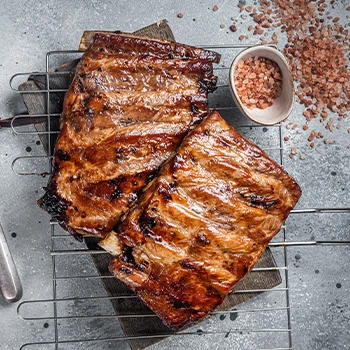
[319, 276]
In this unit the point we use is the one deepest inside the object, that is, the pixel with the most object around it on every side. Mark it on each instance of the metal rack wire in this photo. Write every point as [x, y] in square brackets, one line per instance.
[52, 310]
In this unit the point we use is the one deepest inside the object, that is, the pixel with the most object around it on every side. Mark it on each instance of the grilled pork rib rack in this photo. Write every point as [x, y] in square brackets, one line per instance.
[131, 102]
[202, 224]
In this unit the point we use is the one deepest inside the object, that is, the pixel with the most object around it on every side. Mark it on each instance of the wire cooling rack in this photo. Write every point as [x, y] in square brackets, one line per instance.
[80, 310]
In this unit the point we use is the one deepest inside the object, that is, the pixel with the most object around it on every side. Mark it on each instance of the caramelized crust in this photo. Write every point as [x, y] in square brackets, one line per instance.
[202, 224]
[130, 104]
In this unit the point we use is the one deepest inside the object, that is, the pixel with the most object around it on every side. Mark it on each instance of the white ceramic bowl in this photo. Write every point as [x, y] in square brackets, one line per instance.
[283, 105]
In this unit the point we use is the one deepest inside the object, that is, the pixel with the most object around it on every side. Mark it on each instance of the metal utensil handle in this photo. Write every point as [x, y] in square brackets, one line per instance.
[10, 284]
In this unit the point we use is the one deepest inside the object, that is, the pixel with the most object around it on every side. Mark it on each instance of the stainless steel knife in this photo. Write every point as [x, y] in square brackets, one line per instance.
[10, 284]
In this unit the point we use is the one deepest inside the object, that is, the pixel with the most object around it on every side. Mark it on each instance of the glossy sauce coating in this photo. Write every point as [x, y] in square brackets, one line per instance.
[202, 224]
[131, 102]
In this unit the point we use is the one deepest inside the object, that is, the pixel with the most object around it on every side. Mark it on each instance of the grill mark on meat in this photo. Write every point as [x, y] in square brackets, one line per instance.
[165, 192]
[258, 200]
[127, 255]
[207, 85]
[147, 223]
[125, 270]
[61, 155]
[54, 204]
[202, 239]
[203, 222]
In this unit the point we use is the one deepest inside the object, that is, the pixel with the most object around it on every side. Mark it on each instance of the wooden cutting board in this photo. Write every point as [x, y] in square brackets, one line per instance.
[134, 326]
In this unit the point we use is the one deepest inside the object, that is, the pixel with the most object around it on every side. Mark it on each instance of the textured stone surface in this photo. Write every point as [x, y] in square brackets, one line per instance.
[319, 276]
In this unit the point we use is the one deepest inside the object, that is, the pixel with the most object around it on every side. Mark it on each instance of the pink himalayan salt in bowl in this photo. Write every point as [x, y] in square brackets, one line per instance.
[282, 106]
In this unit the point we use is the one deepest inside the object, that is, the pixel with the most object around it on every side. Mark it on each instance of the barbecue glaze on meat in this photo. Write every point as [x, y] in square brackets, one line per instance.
[202, 224]
[131, 102]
